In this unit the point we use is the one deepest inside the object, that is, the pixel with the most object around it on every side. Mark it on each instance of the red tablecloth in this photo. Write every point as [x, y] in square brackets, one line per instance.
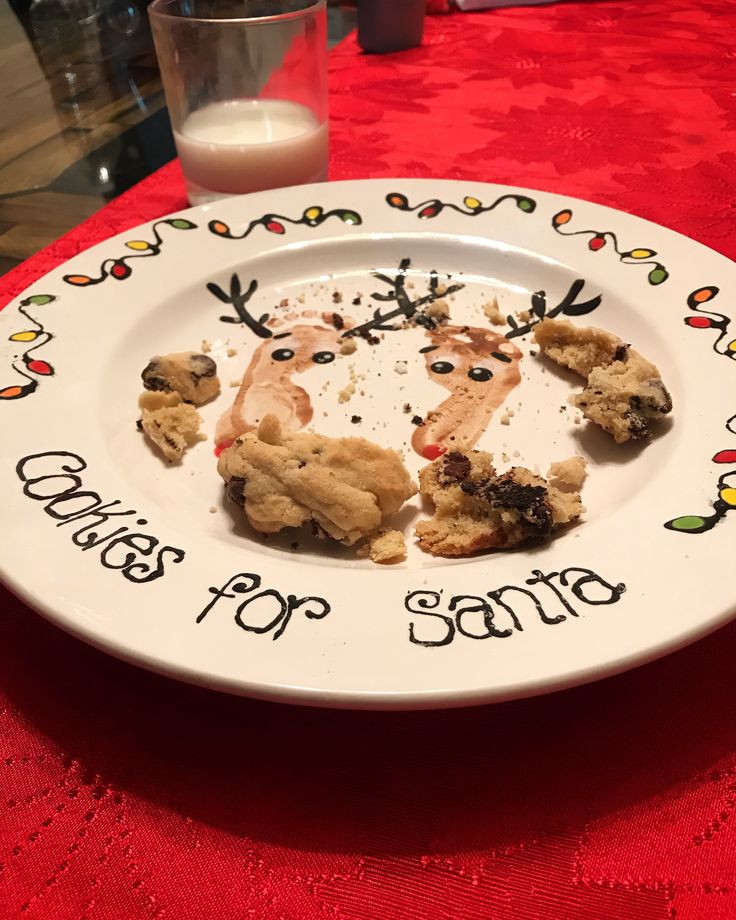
[125, 795]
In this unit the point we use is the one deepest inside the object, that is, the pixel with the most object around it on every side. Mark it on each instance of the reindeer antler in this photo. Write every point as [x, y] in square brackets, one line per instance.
[405, 306]
[567, 306]
[238, 298]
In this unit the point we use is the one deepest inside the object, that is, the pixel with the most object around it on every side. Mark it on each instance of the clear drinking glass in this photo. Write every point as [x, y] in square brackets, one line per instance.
[246, 88]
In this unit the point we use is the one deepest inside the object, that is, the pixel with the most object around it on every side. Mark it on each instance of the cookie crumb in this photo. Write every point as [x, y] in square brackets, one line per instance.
[205, 347]
[337, 296]
[231, 352]
[346, 393]
[235, 383]
[406, 408]
[284, 302]
[385, 547]
[212, 509]
[493, 313]
[348, 346]
[507, 416]
[568, 474]
[401, 367]
[438, 310]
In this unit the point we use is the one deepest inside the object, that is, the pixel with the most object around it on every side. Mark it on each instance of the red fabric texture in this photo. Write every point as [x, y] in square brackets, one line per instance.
[125, 795]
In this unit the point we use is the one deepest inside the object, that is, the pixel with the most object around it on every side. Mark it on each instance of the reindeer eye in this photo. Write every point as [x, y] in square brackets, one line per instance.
[323, 357]
[442, 367]
[282, 354]
[480, 373]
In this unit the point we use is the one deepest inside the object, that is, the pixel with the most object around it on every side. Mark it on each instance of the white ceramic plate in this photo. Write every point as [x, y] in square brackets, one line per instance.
[123, 551]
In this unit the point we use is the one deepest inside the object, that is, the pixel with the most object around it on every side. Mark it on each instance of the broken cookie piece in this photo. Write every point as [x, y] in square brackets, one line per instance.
[581, 348]
[624, 391]
[343, 486]
[477, 509]
[385, 547]
[169, 423]
[568, 474]
[190, 373]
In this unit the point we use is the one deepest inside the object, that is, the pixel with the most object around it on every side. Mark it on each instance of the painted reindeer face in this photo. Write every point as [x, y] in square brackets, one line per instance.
[479, 368]
[267, 385]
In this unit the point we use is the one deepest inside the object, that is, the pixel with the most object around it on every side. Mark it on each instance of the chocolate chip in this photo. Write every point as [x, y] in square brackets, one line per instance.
[202, 366]
[658, 401]
[139, 425]
[637, 425]
[356, 419]
[417, 420]
[337, 321]
[530, 502]
[621, 353]
[235, 490]
[455, 467]
[357, 301]
[151, 381]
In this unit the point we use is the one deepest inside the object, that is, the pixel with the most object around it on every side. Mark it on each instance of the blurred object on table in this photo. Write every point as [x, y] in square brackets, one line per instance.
[390, 25]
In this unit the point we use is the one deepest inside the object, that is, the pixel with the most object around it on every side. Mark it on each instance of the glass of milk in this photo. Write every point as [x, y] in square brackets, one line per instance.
[246, 88]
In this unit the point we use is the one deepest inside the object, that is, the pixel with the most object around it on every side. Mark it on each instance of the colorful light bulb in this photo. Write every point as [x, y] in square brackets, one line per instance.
[138, 245]
[27, 336]
[273, 226]
[471, 203]
[397, 201]
[725, 456]
[350, 217]
[597, 242]
[431, 209]
[641, 254]
[38, 300]
[698, 322]
[313, 213]
[120, 270]
[37, 366]
[78, 280]
[728, 495]
[217, 226]
[525, 204]
[702, 295]
[658, 275]
[688, 523]
[561, 217]
[15, 392]
[180, 224]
